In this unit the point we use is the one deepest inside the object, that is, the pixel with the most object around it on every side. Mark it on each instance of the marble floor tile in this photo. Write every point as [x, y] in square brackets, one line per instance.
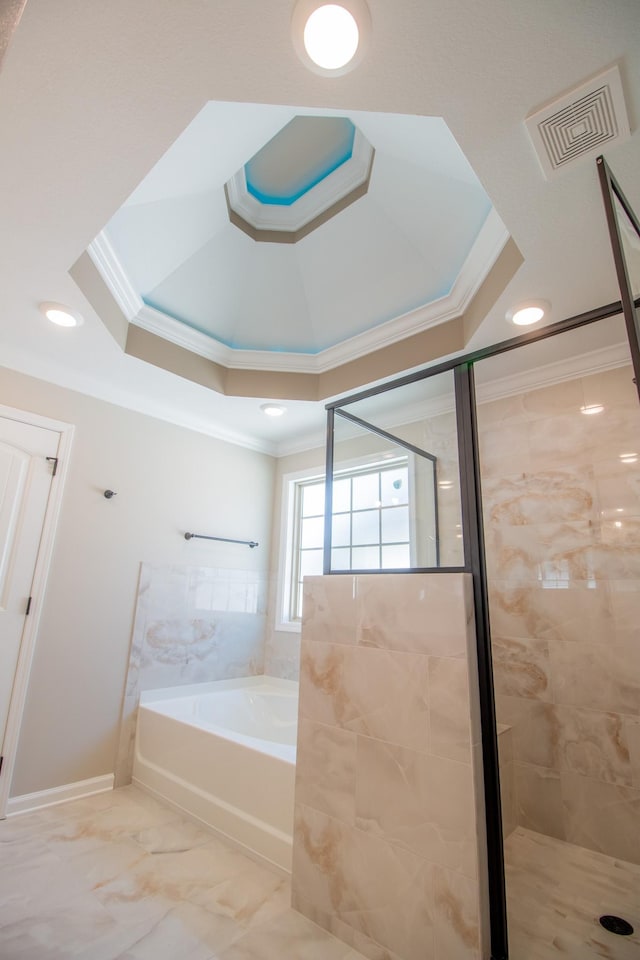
[120, 876]
[556, 892]
[291, 935]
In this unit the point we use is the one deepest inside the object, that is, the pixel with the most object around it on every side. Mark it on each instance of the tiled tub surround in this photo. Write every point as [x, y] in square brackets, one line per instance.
[192, 625]
[562, 527]
[388, 788]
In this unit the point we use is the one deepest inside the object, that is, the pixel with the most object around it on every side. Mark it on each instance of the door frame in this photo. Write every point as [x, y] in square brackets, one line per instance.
[38, 587]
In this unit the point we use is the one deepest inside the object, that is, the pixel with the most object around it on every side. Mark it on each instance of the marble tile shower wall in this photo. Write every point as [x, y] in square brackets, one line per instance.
[192, 625]
[388, 835]
[562, 528]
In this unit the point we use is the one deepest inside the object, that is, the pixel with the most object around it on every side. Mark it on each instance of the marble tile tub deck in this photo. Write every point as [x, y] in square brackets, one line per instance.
[120, 876]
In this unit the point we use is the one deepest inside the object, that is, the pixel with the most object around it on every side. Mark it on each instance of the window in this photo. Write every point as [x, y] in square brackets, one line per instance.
[371, 525]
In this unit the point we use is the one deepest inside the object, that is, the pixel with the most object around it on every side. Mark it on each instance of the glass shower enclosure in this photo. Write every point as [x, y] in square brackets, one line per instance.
[520, 464]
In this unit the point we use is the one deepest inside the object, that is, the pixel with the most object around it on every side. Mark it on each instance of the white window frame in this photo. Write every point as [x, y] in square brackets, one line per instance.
[290, 483]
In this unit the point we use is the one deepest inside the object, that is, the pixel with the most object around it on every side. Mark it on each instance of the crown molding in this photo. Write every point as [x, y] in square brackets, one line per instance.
[108, 265]
[486, 249]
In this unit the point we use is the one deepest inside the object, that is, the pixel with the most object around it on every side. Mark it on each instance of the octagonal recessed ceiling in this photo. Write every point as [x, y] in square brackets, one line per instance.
[410, 254]
[309, 171]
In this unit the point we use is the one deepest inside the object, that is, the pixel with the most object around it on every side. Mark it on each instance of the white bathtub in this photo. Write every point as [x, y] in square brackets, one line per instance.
[225, 753]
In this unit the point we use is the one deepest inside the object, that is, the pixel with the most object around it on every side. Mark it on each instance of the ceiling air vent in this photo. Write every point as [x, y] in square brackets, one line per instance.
[579, 124]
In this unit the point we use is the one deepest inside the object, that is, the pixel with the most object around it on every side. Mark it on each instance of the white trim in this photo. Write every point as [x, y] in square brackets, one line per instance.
[285, 557]
[487, 247]
[108, 265]
[55, 795]
[581, 365]
[346, 178]
[38, 587]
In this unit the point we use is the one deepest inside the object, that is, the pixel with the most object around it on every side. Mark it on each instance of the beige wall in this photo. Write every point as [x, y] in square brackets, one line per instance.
[168, 480]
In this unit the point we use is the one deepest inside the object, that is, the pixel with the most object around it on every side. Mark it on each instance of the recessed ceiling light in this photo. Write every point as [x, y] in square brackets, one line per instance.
[590, 409]
[330, 38]
[60, 315]
[273, 409]
[531, 311]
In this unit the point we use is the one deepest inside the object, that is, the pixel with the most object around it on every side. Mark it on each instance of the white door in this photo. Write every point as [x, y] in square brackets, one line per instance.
[27, 464]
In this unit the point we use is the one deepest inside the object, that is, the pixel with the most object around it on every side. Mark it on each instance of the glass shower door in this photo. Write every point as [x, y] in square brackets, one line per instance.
[559, 442]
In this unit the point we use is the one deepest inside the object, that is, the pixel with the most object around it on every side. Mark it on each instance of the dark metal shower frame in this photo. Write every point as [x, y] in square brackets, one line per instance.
[472, 526]
[326, 560]
[610, 193]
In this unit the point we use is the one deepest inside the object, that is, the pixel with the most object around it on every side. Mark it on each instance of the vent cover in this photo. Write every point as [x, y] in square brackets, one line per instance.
[580, 123]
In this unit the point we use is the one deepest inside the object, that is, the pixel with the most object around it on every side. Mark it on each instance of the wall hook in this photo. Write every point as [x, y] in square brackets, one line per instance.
[109, 493]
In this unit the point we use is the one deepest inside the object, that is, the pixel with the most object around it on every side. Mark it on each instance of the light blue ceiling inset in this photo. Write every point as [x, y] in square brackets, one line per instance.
[300, 155]
[400, 247]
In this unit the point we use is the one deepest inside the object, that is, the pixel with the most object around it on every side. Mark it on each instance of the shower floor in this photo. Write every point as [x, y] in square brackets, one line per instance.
[556, 893]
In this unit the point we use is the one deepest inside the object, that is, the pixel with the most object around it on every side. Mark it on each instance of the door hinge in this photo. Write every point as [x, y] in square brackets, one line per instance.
[26, 613]
[1, 762]
[54, 461]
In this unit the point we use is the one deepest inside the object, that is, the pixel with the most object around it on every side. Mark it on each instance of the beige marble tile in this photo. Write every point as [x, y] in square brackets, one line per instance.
[292, 935]
[331, 609]
[379, 693]
[535, 730]
[379, 889]
[573, 611]
[556, 891]
[326, 769]
[364, 945]
[449, 708]
[602, 816]
[504, 450]
[455, 917]
[632, 727]
[625, 607]
[539, 800]
[395, 618]
[544, 496]
[595, 744]
[508, 798]
[187, 932]
[422, 803]
[521, 668]
[513, 551]
[608, 677]
[617, 486]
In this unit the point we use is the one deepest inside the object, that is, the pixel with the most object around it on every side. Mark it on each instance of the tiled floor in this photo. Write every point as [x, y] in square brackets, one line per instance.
[121, 876]
[556, 892]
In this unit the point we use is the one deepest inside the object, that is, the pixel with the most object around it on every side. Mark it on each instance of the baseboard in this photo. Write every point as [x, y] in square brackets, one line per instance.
[49, 798]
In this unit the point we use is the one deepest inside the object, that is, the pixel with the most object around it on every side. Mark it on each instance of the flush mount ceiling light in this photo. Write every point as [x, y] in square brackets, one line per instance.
[531, 311]
[59, 314]
[273, 409]
[331, 38]
[590, 409]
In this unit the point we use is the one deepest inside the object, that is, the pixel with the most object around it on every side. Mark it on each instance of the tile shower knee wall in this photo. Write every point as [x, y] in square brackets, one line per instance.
[562, 531]
[192, 624]
[389, 822]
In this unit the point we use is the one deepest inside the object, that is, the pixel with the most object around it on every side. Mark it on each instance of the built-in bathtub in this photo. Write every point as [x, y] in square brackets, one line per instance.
[224, 752]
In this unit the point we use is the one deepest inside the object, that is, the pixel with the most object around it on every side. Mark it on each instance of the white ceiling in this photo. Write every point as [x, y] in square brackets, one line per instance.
[93, 94]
